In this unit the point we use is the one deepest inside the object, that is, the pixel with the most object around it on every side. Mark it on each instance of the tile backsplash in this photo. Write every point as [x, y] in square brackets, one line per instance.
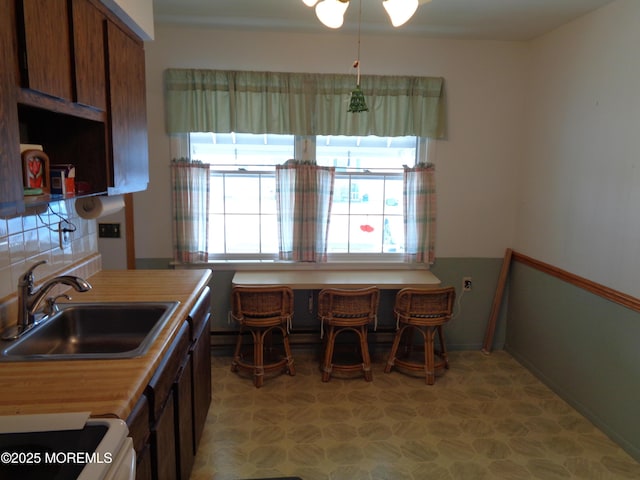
[35, 236]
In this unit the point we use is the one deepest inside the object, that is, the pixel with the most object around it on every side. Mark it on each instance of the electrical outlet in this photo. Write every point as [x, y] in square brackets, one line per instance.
[109, 230]
[64, 234]
[467, 284]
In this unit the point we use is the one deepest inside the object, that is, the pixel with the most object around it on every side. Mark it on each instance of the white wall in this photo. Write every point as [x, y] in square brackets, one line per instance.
[113, 250]
[579, 205]
[136, 14]
[476, 166]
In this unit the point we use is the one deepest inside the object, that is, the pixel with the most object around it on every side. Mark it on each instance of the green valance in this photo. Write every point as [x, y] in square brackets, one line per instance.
[302, 103]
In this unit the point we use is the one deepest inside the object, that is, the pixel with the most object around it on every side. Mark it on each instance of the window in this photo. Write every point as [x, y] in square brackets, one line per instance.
[243, 220]
[366, 216]
[367, 210]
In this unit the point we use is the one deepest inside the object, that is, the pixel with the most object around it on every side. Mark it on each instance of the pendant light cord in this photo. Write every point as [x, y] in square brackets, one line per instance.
[357, 62]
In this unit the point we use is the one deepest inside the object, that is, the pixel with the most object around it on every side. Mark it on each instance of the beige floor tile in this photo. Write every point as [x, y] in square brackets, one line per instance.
[486, 418]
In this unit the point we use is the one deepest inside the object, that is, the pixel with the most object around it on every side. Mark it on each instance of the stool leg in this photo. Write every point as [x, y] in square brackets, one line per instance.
[394, 350]
[258, 359]
[364, 349]
[443, 347]
[236, 353]
[428, 355]
[287, 351]
[328, 355]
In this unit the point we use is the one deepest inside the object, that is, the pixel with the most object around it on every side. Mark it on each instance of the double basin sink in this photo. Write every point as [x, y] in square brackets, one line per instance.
[91, 331]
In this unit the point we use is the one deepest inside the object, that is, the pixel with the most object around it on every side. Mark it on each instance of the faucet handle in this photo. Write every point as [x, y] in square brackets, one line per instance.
[52, 307]
[27, 277]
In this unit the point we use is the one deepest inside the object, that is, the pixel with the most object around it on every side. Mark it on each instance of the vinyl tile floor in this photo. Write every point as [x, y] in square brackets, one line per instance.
[487, 417]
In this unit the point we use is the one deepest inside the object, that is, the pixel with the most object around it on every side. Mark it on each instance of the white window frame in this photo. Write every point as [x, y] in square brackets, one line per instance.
[304, 149]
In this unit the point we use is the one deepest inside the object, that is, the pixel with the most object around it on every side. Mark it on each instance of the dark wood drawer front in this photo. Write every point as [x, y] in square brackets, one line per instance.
[138, 423]
[162, 381]
[201, 382]
[200, 313]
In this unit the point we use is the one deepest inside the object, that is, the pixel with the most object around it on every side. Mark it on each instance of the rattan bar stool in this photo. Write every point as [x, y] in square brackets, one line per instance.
[425, 311]
[261, 311]
[347, 310]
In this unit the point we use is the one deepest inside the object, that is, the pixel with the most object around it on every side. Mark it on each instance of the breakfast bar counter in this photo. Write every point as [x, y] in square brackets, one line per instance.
[107, 388]
[319, 279]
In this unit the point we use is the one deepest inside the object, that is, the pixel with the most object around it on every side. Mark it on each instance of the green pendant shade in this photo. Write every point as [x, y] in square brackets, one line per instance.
[357, 103]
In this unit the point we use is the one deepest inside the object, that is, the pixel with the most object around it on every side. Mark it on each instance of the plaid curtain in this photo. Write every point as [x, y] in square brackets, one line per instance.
[304, 194]
[190, 209]
[419, 195]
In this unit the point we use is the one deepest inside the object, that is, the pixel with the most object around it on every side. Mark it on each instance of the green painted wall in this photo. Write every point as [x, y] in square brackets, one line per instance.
[584, 347]
[465, 332]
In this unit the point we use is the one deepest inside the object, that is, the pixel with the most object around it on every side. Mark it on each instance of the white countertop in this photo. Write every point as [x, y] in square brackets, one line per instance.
[318, 279]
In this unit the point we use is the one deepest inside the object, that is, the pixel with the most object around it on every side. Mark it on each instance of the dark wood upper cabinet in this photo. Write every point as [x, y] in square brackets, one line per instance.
[45, 47]
[88, 25]
[72, 79]
[11, 192]
[128, 113]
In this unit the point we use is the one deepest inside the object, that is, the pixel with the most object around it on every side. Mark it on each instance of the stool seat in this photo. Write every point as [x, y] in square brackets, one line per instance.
[424, 311]
[262, 311]
[343, 310]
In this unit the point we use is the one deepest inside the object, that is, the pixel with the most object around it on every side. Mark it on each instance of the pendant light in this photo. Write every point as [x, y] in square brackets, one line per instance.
[331, 12]
[400, 11]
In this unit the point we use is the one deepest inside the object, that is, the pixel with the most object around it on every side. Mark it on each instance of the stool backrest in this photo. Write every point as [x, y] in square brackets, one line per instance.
[346, 303]
[425, 302]
[261, 302]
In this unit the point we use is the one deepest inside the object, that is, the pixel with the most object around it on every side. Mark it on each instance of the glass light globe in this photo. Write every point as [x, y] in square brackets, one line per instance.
[331, 12]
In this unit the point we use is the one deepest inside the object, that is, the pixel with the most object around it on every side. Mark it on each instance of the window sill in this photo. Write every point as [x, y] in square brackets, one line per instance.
[265, 265]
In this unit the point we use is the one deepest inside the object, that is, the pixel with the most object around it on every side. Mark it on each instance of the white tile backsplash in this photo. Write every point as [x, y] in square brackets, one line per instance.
[34, 236]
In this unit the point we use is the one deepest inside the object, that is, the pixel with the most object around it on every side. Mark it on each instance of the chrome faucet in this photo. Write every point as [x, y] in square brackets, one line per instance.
[29, 299]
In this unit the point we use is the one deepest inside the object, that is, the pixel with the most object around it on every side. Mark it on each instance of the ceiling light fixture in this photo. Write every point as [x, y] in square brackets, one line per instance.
[331, 12]
[400, 11]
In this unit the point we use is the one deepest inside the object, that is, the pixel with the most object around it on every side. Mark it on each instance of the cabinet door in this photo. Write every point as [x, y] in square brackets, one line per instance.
[130, 150]
[161, 384]
[138, 423]
[164, 444]
[46, 47]
[184, 420]
[201, 353]
[11, 193]
[201, 382]
[144, 470]
[88, 47]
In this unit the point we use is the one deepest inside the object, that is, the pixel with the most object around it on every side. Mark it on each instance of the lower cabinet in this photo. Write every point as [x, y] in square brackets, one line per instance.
[183, 394]
[167, 422]
[138, 423]
[201, 364]
[163, 443]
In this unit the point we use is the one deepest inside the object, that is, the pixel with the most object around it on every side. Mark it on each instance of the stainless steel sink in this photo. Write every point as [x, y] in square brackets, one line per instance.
[92, 331]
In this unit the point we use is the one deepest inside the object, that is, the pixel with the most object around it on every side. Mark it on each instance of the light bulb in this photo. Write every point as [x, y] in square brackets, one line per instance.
[310, 3]
[400, 11]
[331, 12]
